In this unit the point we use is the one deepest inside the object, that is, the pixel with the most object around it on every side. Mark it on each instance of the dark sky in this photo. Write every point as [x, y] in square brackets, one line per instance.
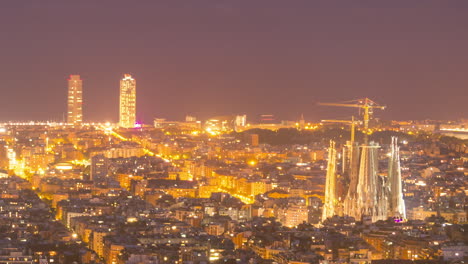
[216, 57]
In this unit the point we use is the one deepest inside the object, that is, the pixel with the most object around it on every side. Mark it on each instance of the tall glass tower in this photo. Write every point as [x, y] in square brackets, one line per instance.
[75, 100]
[127, 102]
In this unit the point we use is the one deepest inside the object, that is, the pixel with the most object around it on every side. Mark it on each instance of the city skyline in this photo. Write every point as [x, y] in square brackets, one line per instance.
[261, 132]
[127, 115]
[231, 58]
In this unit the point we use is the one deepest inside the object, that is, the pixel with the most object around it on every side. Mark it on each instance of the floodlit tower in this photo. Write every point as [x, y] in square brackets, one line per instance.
[75, 100]
[127, 102]
[367, 195]
[330, 184]
[302, 122]
[396, 202]
[349, 151]
[349, 168]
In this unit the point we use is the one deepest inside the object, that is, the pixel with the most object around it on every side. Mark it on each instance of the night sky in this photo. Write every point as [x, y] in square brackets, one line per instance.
[217, 57]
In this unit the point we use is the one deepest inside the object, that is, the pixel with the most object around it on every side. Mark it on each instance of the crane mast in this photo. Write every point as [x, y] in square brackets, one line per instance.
[366, 104]
[351, 122]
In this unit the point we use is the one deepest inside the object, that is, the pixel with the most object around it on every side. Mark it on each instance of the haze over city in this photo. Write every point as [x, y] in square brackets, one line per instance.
[208, 58]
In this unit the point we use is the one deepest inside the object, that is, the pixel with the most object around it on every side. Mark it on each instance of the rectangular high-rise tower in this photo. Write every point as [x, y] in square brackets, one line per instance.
[75, 100]
[127, 102]
[99, 168]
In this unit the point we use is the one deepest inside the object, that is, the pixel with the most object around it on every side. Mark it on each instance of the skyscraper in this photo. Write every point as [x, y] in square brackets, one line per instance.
[127, 102]
[75, 100]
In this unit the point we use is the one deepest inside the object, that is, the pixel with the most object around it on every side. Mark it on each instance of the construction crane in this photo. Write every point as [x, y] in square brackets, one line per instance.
[366, 104]
[351, 122]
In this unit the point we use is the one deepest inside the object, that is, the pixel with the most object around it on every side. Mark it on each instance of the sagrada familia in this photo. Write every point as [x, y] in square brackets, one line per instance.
[357, 189]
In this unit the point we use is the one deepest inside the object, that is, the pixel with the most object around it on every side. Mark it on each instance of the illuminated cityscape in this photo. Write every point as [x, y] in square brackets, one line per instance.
[241, 151]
